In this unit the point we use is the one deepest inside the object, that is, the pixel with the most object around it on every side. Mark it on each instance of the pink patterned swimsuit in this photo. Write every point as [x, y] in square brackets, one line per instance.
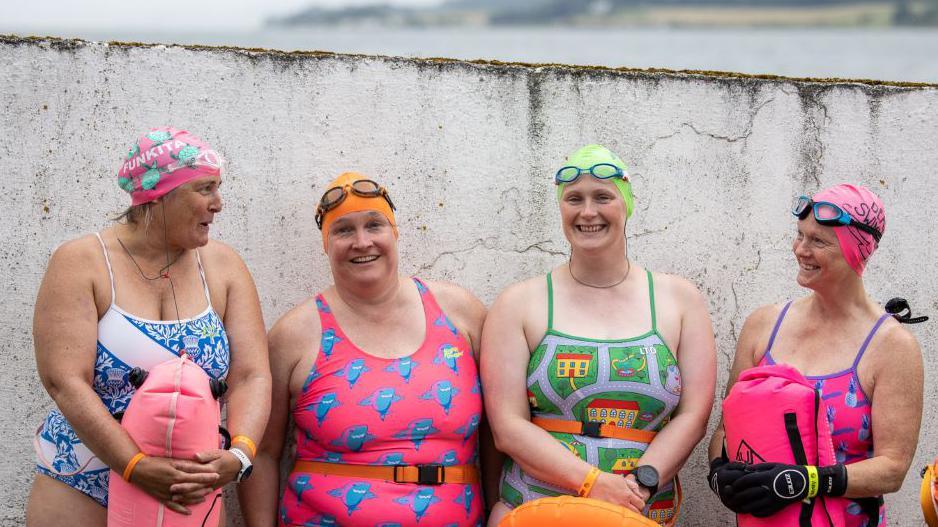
[848, 413]
[356, 408]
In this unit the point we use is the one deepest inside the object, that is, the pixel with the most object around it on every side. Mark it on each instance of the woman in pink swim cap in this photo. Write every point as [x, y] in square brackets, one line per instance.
[866, 366]
[134, 295]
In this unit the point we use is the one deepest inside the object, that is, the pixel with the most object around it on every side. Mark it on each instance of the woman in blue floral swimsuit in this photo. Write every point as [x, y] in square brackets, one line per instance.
[136, 295]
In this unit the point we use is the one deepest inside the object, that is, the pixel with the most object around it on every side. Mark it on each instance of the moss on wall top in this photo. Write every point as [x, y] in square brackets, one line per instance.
[446, 63]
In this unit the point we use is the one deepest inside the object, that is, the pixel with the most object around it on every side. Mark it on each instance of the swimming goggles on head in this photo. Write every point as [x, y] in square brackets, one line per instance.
[826, 213]
[570, 174]
[334, 197]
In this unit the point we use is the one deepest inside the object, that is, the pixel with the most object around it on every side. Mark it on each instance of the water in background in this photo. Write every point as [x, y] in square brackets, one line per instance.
[859, 53]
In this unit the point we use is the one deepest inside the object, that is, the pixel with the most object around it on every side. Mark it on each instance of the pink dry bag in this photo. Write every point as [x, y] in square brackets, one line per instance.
[774, 415]
[174, 413]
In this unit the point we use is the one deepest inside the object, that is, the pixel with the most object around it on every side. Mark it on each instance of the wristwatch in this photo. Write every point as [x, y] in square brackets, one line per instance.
[246, 466]
[647, 477]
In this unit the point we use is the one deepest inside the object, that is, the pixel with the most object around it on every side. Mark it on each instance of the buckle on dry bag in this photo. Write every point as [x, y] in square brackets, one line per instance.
[592, 428]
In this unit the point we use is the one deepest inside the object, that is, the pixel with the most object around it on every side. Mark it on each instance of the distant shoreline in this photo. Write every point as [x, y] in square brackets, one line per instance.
[885, 13]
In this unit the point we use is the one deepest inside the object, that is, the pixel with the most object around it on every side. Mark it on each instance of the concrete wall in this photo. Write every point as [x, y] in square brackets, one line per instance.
[467, 151]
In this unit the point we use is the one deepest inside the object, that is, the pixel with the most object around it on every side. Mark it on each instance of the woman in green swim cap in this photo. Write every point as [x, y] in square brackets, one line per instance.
[600, 369]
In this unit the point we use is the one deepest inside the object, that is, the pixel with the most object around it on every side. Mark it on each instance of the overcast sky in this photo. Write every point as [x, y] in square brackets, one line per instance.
[157, 15]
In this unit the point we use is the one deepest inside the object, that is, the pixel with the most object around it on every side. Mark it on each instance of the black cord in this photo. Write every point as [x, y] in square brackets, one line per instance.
[172, 286]
[900, 310]
[162, 273]
[210, 509]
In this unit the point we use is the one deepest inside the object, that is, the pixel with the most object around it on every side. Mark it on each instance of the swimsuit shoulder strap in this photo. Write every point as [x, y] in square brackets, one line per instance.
[651, 301]
[550, 302]
[869, 337]
[107, 260]
[431, 308]
[778, 324]
[208, 296]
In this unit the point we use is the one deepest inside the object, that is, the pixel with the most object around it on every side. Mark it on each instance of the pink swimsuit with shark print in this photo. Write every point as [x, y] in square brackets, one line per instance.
[356, 408]
[848, 414]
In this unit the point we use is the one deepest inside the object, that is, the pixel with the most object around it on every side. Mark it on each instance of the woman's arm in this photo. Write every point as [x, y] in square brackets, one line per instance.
[696, 355]
[294, 335]
[505, 357]
[896, 401]
[248, 397]
[748, 346]
[468, 315]
[65, 327]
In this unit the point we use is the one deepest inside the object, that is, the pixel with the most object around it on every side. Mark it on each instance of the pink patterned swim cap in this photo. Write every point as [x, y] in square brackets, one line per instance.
[161, 160]
[863, 206]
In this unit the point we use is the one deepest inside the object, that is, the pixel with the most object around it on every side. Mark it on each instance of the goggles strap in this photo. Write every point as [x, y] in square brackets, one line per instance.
[325, 206]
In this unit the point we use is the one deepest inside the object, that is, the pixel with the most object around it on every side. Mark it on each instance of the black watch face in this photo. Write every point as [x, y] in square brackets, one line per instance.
[646, 476]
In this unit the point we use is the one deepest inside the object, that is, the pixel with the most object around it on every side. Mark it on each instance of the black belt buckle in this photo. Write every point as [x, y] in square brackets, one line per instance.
[430, 474]
[592, 428]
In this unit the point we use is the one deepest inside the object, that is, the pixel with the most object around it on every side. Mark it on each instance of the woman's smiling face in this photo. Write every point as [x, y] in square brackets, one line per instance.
[592, 212]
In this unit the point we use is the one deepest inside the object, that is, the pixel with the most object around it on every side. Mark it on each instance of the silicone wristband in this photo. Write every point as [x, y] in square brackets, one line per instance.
[588, 483]
[812, 481]
[129, 469]
[246, 441]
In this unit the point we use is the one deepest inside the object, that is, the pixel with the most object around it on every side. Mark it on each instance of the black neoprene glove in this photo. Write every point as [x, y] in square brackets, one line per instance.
[767, 488]
[721, 478]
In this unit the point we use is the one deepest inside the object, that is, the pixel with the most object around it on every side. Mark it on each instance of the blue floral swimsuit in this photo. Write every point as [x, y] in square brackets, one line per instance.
[124, 342]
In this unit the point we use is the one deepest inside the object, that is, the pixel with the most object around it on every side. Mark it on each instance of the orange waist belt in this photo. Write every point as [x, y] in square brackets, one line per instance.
[593, 429]
[430, 474]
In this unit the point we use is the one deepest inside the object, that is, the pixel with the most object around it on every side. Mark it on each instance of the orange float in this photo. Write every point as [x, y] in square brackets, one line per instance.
[929, 494]
[565, 511]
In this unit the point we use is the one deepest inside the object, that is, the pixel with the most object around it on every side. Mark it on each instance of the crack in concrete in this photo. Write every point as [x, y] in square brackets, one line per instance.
[537, 247]
[490, 243]
[432, 264]
[725, 138]
[735, 314]
[649, 231]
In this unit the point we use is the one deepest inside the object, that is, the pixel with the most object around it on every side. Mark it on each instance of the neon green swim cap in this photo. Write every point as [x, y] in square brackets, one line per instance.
[590, 155]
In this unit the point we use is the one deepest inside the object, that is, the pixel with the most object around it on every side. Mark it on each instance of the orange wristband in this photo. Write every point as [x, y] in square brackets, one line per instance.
[129, 469]
[246, 441]
[588, 483]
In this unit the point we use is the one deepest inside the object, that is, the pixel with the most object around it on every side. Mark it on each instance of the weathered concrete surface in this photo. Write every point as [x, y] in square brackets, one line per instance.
[467, 151]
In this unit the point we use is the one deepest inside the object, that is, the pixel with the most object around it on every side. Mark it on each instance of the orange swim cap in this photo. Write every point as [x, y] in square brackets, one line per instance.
[353, 202]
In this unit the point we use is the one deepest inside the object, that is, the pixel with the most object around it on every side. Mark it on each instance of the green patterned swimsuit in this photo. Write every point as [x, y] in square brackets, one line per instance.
[631, 383]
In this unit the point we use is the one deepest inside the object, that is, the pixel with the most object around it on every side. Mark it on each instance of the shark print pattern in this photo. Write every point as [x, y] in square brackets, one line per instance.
[356, 408]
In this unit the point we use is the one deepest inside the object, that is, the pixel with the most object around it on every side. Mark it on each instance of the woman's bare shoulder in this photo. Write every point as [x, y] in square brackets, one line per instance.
[452, 294]
[78, 258]
[763, 316]
[219, 252]
[83, 247]
[899, 346]
[523, 293]
[295, 328]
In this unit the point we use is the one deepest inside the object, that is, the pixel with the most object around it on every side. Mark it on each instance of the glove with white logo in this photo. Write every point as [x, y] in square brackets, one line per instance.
[767, 488]
[722, 476]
